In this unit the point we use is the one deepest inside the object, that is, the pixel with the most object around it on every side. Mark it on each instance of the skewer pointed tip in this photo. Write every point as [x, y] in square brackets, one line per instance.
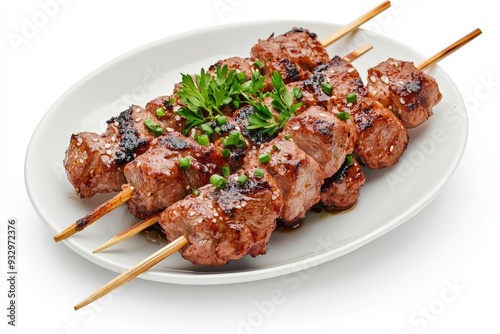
[135, 271]
[99, 212]
[128, 233]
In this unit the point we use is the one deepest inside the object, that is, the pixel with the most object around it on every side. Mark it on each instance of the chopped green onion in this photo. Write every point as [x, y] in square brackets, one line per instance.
[241, 77]
[184, 163]
[276, 148]
[297, 93]
[221, 120]
[287, 136]
[235, 138]
[207, 128]
[258, 172]
[258, 63]
[225, 171]
[218, 181]
[160, 112]
[195, 192]
[156, 129]
[343, 116]
[226, 153]
[328, 89]
[351, 98]
[203, 140]
[348, 159]
[264, 158]
[242, 179]
[218, 130]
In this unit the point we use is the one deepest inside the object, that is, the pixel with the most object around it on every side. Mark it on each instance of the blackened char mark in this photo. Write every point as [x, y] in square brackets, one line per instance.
[129, 140]
[175, 143]
[291, 71]
[295, 29]
[255, 136]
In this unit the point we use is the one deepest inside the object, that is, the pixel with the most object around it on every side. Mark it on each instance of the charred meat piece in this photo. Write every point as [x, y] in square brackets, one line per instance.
[90, 164]
[381, 137]
[294, 54]
[225, 224]
[298, 176]
[407, 91]
[322, 136]
[91, 157]
[341, 191]
[159, 180]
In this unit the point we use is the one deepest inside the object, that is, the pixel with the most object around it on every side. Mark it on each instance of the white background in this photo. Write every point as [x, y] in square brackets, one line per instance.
[437, 273]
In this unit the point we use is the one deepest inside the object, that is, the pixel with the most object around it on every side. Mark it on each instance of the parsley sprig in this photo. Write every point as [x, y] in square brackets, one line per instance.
[204, 95]
[282, 100]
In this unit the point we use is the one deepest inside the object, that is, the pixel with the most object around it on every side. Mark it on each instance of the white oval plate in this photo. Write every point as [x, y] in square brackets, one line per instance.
[389, 197]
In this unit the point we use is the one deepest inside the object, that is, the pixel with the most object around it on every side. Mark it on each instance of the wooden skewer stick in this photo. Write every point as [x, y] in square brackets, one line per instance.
[182, 241]
[450, 49]
[355, 24]
[97, 213]
[142, 225]
[144, 265]
[128, 233]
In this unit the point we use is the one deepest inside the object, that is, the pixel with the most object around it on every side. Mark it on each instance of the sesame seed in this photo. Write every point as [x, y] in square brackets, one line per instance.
[401, 82]
[116, 123]
[322, 115]
[108, 152]
[349, 105]
[107, 145]
[170, 129]
[296, 127]
[216, 214]
[95, 140]
[402, 100]
[238, 206]
[188, 187]
[177, 107]
[243, 204]
[384, 79]
[214, 220]
[138, 119]
[113, 139]
[373, 79]
[350, 70]
[391, 148]
[81, 161]
[191, 213]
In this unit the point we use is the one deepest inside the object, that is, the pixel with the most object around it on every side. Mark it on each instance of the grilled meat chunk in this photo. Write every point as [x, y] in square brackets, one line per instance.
[225, 224]
[294, 54]
[91, 166]
[407, 91]
[159, 181]
[381, 137]
[298, 175]
[322, 136]
[341, 191]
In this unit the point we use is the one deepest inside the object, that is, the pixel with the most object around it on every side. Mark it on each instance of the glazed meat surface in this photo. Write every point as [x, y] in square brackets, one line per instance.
[294, 54]
[381, 137]
[298, 176]
[341, 191]
[407, 91]
[225, 224]
[159, 181]
[322, 136]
